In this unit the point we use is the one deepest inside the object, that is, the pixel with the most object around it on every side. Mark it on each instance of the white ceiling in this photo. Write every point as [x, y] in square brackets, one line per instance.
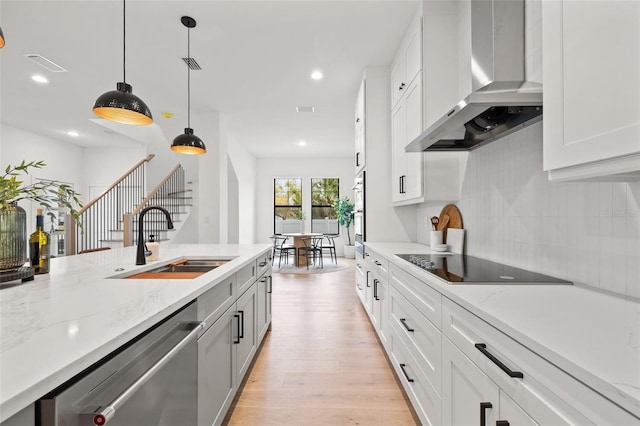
[256, 59]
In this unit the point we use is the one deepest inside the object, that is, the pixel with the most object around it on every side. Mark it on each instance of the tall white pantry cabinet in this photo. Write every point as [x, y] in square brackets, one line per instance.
[591, 84]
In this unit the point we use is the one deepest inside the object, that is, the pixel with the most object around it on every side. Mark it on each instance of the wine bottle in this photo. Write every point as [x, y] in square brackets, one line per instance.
[39, 246]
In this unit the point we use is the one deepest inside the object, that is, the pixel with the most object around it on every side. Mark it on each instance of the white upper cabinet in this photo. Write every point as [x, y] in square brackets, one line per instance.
[407, 62]
[591, 75]
[407, 117]
[360, 129]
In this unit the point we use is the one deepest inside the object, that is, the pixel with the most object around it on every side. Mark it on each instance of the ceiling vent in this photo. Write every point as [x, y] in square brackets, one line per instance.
[192, 64]
[44, 62]
[305, 109]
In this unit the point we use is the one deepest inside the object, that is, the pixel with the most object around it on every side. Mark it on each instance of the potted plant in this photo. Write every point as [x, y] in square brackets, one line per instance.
[48, 193]
[344, 213]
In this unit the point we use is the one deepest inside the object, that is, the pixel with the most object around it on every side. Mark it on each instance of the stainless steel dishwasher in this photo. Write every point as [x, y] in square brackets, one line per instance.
[151, 380]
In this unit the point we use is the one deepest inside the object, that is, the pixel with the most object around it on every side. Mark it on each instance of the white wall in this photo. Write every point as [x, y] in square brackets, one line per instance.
[270, 168]
[102, 166]
[245, 165]
[586, 232]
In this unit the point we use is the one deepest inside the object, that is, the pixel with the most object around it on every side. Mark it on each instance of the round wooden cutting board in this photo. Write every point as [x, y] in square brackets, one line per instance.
[450, 217]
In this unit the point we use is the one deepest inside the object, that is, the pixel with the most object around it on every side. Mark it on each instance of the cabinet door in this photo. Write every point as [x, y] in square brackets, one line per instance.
[464, 389]
[246, 308]
[380, 308]
[217, 380]
[360, 279]
[591, 101]
[413, 160]
[398, 138]
[398, 83]
[360, 146]
[265, 286]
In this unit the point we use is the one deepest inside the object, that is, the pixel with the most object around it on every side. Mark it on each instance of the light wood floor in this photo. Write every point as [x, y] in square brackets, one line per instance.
[321, 363]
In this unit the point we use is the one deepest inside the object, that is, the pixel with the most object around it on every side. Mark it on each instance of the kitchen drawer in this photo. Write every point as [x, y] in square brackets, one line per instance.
[424, 398]
[264, 263]
[423, 297]
[546, 393]
[361, 280]
[422, 338]
[376, 262]
[245, 277]
[212, 303]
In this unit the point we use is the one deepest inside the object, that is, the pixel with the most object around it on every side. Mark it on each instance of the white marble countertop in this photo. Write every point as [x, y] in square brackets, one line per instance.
[593, 336]
[61, 323]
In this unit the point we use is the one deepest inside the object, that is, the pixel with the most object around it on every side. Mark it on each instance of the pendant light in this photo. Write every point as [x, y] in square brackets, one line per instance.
[121, 105]
[188, 143]
[1, 39]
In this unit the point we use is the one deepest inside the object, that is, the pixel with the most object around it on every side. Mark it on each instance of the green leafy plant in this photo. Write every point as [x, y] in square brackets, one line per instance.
[48, 193]
[344, 212]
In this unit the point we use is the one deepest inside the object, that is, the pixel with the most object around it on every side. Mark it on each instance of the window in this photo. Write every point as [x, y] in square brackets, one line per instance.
[287, 205]
[324, 191]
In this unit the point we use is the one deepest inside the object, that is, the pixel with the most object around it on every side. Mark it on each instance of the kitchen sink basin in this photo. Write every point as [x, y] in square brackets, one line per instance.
[179, 269]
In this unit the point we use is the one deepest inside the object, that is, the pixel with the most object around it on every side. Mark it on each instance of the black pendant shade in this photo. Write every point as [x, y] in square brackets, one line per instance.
[1, 39]
[121, 105]
[188, 143]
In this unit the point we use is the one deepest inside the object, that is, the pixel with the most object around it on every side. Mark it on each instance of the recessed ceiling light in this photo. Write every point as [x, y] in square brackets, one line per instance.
[73, 133]
[302, 143]
[316, 75]
[305, 109]
[39, 78]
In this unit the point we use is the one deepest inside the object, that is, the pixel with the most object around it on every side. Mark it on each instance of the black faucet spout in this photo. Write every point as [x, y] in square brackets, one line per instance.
[140, 254]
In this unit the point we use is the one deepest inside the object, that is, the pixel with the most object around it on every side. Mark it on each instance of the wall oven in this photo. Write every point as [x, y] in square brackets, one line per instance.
[151, 380]
[359, 219]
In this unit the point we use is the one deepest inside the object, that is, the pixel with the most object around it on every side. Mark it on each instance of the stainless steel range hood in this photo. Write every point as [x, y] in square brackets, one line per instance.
[501, 101]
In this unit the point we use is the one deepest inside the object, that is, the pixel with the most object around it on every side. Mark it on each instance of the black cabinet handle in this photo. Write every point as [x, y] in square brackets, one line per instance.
[368, 272]
[400, 184]
[358, 120]
[270, 285]
[236, 316]
[375, 288]
[357, 158]
[263, 264]
[401, 86]
[502, 423]
[410, 380]
[377, 263]
[404, 322]
[241, 327]
[483, 412]
[482, 347]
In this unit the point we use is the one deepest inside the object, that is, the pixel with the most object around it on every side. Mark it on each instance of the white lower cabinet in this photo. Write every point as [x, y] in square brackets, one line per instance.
[458, 369]
[265, 289]
[217, 375]
[229, 344]
[361, 278]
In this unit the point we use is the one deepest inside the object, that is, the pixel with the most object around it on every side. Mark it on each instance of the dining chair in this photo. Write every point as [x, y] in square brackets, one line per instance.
[281, 249]
[311, 250]
[330, 245]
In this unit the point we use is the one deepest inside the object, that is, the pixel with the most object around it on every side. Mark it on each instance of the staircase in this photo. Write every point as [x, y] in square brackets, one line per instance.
[111, 220]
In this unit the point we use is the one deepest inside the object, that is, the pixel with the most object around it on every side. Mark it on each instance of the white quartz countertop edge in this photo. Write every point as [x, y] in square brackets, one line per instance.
[591, 335]
[54, 327]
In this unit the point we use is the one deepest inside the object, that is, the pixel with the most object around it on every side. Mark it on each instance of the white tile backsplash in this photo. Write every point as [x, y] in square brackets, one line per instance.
[586, 232]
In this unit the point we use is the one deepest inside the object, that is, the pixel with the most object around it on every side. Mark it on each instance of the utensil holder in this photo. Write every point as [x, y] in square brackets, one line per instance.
[435, 238]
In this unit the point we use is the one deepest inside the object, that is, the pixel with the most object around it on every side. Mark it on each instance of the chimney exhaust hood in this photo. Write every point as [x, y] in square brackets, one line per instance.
[501, 101]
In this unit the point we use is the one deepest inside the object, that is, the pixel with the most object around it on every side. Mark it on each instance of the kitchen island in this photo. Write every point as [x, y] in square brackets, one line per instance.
[56, 326]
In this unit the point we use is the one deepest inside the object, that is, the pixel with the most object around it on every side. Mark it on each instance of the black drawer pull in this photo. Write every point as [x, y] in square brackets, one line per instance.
[375, 288]
[482, 347]
[405, 373]
[241, 328]
[368, 272]
[261, 264]
[236, 316]
[404, 322]
[270, 285]
[502, 423]
[483, 412]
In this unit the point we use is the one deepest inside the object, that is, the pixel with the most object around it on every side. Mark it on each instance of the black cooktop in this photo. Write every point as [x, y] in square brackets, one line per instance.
[464, 269]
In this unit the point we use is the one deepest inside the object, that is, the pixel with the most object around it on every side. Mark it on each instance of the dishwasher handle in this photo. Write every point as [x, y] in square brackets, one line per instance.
[108, 412]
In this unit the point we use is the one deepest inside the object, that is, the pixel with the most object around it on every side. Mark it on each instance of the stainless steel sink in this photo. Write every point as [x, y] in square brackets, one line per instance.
[177, 269]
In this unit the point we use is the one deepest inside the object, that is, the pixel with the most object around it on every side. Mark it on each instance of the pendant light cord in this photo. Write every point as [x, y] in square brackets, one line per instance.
[124, 44]
[188, 77]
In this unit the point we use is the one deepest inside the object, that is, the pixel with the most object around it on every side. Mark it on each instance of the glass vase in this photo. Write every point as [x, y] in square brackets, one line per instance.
[13, 237]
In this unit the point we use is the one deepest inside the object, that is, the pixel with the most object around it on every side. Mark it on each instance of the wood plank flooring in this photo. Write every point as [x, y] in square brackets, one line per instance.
[321, 363]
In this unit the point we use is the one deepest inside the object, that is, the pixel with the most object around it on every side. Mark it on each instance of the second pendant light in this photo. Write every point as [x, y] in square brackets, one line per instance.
[188, 143]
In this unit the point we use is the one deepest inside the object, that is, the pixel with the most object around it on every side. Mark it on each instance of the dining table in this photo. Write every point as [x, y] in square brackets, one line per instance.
[297, 243]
